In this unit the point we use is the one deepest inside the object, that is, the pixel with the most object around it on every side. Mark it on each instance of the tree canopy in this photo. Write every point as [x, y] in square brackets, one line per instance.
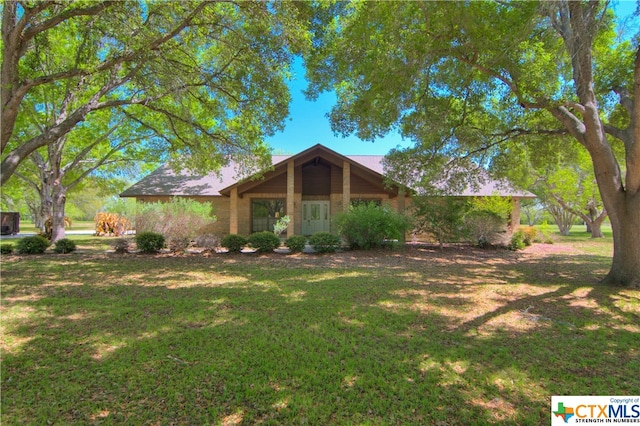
[480, 81]
[203, 81]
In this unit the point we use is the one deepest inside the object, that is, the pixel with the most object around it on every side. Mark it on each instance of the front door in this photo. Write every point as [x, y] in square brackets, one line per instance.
[315, 217]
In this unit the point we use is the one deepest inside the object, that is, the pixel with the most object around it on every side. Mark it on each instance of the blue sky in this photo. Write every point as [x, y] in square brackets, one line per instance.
[308, 124]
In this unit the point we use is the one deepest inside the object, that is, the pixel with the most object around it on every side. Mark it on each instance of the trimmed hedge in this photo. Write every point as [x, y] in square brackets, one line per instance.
[264, 241]
[296, 243]
[65, 245]
[233, 242]
[324, 242]
[6, 248]
[32, 245]
[150, 242]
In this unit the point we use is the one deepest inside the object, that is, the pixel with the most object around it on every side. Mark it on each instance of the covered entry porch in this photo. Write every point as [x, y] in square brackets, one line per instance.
[310, 188]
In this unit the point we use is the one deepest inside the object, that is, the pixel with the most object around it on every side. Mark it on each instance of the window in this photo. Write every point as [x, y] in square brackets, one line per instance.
[265, 213]
[364, 201]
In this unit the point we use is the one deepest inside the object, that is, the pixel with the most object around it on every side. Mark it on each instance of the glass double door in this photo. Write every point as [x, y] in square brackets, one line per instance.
[315, 217]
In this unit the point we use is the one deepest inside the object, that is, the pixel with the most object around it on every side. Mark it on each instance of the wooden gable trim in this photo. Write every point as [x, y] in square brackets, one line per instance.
[304, 158]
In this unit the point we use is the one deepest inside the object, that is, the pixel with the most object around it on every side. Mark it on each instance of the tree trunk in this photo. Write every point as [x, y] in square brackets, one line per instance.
[46, 206]
[625, 269]
[594, 221]
[620, 195]
[59, 201]
[564, 218]
[596, 229]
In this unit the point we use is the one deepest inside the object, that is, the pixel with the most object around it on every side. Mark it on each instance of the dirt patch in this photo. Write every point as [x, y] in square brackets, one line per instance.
[544, 249]
[410, 255]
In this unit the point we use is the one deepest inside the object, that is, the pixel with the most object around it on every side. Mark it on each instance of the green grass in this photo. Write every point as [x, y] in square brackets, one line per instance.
[422, 336]
[76, 225]
[579, 237]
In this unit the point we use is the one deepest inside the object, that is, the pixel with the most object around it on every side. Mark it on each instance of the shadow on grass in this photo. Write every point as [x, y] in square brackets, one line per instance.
[419, 338]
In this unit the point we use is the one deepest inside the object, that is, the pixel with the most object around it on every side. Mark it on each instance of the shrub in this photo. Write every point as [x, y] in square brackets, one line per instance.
[368, 225]
[281, 225]
[531, 235]
[179, 220]
[233, 242]
[207, 241]
[483, 227]
[64, 245]
[111, 224]
[264, 241]
[442, 217]
[6, 248]
[296, 243]
[150, 242]
[517, 241]
[48, 226]
[32, 245]
[486, 221]
[545, 233]
[178, 243]
[121, 245]
[324, 242]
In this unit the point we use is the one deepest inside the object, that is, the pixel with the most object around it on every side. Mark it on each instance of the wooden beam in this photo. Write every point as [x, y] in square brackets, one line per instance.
[233, 211]
[290, 198]
[346, 185]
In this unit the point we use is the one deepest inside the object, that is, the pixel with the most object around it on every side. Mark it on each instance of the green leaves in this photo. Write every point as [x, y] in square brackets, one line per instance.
[202, 80]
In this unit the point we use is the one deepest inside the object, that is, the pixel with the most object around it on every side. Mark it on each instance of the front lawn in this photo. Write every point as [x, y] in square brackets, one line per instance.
[419, 336]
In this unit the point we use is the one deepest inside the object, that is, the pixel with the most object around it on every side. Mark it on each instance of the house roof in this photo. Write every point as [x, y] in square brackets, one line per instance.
[166, 182]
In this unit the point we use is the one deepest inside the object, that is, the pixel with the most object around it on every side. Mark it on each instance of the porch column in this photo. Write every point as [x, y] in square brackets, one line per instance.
[401, 199]
[514, 220]
[290, 198]
[346, 185]
[233, 211]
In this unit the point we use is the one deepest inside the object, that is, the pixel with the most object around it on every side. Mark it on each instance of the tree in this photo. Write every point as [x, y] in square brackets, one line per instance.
[443, 217]
[60, 167]
[566, 186]
[103, 148]
[465, 80]
[569, 192]
[532, 210]
[206, 79]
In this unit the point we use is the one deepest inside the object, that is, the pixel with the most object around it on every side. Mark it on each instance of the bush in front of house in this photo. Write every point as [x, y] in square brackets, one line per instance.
[296, 243]
[441, 217]
[324, 242]
[179, 220]
[518, 241]
[150, 242]
[6, 248]
[121, 245]
[65, 245]
[368, 225]
[487, 219]
[233, 242]
[208, 241]
[531, 235]
[32, 245]
[483, 227]
[264, 241]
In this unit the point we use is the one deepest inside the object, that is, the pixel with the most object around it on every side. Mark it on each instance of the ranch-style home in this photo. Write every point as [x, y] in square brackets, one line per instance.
[309, 187]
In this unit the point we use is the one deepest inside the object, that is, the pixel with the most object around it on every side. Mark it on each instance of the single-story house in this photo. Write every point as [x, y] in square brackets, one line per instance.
[309, 187]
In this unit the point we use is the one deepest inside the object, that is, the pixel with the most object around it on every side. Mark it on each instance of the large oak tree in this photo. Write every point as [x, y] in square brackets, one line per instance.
[206, 78]
[466, 79]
